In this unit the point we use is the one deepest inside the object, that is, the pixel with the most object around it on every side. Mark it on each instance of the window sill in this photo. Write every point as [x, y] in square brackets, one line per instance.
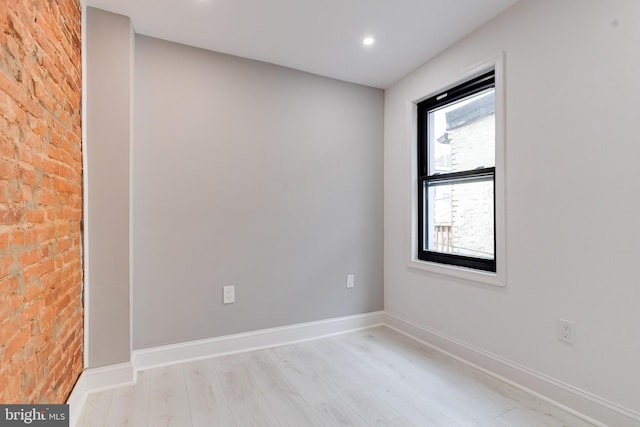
[460, 273]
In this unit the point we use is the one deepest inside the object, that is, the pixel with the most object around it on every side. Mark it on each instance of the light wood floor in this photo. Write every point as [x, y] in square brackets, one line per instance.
[374, 377]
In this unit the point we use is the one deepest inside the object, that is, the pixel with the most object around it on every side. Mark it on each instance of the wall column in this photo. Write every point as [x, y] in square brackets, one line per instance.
[109, 71]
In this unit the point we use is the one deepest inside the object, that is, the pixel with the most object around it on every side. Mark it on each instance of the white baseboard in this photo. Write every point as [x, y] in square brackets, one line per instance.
[94, 380]
[582, 404]
[248, 341]
[108, 377]
[76, 400]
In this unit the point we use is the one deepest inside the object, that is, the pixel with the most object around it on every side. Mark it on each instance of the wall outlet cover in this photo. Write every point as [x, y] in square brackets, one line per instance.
[351, 280]
[228, 294]
[566, 331]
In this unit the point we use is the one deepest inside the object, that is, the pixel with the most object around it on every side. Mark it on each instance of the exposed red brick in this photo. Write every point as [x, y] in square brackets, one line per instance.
[40, 200]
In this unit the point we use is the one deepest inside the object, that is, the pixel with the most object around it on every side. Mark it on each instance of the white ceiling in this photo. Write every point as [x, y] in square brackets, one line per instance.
[322, 36]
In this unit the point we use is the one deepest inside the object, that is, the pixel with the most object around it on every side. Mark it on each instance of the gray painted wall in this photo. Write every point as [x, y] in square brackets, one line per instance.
[109, 45]
[572, 127]
[252, 175]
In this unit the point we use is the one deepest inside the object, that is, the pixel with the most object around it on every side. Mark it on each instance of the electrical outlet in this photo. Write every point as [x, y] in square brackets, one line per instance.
[566, 331]
[351, 280]
[228, 294]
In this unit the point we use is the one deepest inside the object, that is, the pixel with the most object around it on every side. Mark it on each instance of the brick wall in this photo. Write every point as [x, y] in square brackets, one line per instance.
[40, 200]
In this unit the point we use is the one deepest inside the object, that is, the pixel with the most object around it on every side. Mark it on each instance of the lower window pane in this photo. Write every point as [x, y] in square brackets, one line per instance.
[459, 218]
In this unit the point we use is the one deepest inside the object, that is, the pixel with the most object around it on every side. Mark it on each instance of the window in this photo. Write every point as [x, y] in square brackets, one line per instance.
[456, 175]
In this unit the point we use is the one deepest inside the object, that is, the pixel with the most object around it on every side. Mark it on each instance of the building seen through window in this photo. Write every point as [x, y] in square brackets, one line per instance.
[457, 176]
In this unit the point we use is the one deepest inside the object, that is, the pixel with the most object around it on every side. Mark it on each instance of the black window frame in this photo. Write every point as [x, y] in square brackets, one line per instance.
[441, 99]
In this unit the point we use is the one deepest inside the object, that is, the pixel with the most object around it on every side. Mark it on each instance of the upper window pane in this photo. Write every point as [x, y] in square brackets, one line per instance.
[462, 134]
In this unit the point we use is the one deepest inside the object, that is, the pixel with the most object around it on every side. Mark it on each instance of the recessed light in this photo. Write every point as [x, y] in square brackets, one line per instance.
[368, 41]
